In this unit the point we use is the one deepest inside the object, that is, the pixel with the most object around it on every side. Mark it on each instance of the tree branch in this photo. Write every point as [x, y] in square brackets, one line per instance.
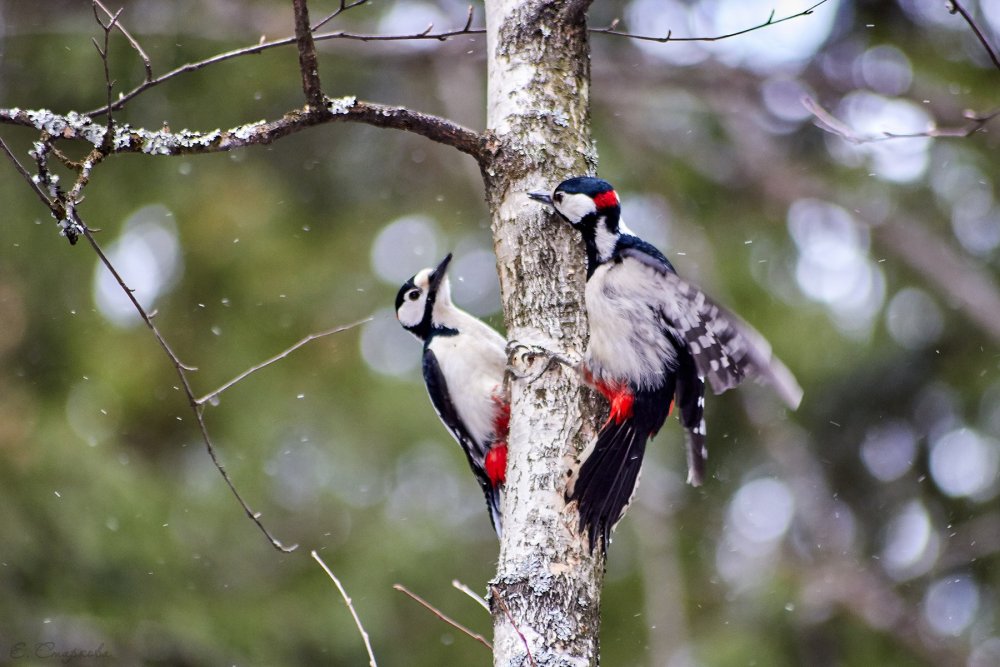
[957, 8]
[126, 139]
[27, 176]
[182, 371]
[212, 396]
[108, 28]
[444, 617]
[830, 123]
[350, 607]
[131, 40]
[344, 6]
[308, 65]
[669, 37]
[426, 34]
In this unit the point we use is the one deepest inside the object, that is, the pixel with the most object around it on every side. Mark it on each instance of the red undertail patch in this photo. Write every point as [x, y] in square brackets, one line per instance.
[496, 464]
[501, 418]
[621, 399]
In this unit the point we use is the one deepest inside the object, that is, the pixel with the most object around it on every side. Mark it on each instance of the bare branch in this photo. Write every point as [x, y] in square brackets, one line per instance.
[103, 53]
[182, 371]
[131, 40]
[126, 139]
[827, 121]
[210, 397]
[444, 617]
[669, 37]
[350, 607]
[344, 6]
[308, 64]
[466, 29]
[265, 46]
[27, 176]
[957, 8]
[471, 593]
[63, 209]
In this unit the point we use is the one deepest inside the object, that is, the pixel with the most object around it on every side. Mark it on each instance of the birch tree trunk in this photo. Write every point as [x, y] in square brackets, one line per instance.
[546, 595]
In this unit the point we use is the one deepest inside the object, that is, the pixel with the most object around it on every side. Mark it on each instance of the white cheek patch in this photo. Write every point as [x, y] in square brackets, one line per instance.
[411, 313]
[576, 207]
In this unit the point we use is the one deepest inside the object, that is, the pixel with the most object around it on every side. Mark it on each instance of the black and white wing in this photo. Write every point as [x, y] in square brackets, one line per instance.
[475, 452]
[726, 350]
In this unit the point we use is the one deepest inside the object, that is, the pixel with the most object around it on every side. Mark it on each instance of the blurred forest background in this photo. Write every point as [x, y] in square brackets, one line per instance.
[862, 530]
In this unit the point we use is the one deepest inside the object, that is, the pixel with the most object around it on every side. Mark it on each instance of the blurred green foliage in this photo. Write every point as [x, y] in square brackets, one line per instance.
[117, 532]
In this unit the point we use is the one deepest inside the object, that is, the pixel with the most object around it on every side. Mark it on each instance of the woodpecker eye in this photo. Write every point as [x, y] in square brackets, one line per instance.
[557, 197]
[413, 294]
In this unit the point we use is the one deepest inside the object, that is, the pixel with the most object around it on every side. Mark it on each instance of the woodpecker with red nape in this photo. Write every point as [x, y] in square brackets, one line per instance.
[464, 364]
[654, 340]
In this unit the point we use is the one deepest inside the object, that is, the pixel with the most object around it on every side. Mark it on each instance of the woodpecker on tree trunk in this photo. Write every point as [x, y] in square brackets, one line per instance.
[654, 341]
[464, 363]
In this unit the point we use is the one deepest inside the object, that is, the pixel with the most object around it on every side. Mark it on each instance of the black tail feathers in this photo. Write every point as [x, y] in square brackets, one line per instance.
[607, 480]
[493, 505]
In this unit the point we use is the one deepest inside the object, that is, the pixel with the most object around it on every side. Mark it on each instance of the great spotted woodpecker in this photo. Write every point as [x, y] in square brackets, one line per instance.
[464, 363]
[654, 340]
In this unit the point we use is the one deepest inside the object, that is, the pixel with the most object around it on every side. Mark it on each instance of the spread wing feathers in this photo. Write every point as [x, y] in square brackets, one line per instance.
[691, 404]
[475, 452]
[726, 350]
[608, 476]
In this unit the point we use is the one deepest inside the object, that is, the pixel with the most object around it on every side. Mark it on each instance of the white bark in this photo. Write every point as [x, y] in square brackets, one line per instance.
[547, 588]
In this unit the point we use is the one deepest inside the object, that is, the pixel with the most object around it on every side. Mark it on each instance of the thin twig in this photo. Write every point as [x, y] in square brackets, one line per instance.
[350, 607]
[308, 63]
[957, 8]
[27, 176]
[510, 618]
[208, 398]
[344, 6]
[669, 37]
[453, 623]
[827, 121]
[426, 34]
[265, 46]
[182, 371]
[471, 593]
[103, 53]
[147, 65]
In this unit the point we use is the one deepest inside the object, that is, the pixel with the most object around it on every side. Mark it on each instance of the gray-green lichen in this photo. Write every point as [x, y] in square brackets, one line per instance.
[341, 105]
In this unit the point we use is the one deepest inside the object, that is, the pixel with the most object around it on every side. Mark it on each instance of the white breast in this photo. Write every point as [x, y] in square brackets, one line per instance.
[473, 364]
[628, 336]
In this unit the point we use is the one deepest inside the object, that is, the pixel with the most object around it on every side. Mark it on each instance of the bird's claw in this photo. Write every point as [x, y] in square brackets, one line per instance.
[529, 362]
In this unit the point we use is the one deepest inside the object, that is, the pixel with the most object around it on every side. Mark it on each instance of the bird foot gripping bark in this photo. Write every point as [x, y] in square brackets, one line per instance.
[528, 361]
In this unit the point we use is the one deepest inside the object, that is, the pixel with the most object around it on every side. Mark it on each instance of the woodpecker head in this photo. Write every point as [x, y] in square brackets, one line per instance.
[582, 201]
[592, 207]
[418, 297]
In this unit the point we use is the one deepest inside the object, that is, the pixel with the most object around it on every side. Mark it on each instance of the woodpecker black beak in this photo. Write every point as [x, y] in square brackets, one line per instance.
[543, 197]
[438, 275]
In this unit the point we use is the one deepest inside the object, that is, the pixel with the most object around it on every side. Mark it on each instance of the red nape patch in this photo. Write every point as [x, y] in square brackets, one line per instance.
[606, 199]
[496, 464]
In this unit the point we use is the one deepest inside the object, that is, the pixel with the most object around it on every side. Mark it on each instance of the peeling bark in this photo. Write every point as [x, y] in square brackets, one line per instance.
[547, 590]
